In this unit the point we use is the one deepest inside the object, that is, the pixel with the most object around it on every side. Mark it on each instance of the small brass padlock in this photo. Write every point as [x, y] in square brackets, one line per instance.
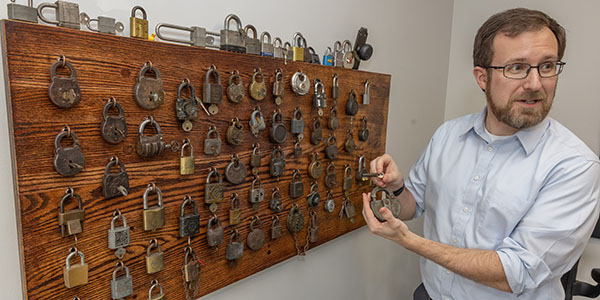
[315, 168]
[191, 267]
[155, 261]
[186, 163]
[75, 275]
[152, 296]
[154, 217]
[138, 27]
[71, 222]
[235, 212]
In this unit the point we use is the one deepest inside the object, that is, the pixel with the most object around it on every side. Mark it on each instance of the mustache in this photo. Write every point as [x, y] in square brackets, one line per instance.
[531, 95]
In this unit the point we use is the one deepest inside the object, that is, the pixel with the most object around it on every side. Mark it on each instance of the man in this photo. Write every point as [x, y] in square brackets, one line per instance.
[509, 195]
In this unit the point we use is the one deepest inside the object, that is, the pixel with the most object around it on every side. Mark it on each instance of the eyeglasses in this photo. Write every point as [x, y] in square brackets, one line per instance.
[521, 70]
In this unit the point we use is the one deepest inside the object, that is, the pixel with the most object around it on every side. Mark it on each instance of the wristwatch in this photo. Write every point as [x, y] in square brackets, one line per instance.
[400, 190]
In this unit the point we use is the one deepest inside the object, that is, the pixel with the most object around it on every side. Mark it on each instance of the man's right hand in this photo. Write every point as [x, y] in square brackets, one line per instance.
[392, 178]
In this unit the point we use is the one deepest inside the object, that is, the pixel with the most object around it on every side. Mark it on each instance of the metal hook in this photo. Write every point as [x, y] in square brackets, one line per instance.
[68, 130]
[116, 213]
[62, 59]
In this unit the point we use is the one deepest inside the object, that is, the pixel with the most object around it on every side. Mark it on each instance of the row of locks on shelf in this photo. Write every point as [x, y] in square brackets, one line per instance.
[237, 39]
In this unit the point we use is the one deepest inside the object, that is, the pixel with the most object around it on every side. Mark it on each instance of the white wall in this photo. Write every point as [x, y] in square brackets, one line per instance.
[411, 39]
[576, 103]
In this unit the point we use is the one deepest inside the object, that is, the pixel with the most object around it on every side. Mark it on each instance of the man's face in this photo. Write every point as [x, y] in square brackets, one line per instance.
[521, 103]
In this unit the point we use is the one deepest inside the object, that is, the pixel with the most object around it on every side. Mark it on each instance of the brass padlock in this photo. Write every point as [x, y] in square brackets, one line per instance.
[186, 163]
[191, 267]
[213, 191]
[160, 296]
[138, 27]
[235, 212]
[154, 217]
[333, 122]
[298, 48]
[349, 144]
[362, 168]
[77, 274]
[348, 181]
[155, 261]
[71, 222]
[315, 168]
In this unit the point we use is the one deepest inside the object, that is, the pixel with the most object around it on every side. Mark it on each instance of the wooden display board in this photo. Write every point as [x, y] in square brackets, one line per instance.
[107, 66]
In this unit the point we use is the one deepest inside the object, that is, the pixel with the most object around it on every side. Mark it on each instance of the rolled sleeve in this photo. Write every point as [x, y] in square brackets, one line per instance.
[554, 231]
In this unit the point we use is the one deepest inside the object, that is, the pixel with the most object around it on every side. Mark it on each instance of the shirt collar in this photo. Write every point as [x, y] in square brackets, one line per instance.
[528, 137]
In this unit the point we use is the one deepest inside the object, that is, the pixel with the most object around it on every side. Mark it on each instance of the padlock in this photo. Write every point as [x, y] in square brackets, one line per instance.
[234, 250]
[297, 122]
[295, 219]
[113, 128]
[296, 185]
[278, 49]
[255, 159]
[189, 224]
[187, 164]
[315, 168]
[335, 88]
[212, 143]
[71, 222]
[160, 296]
[319, 97]
[256, 195]
[252, 43]
[104, 24]
[213, 92]
[118, 237]
[363, 133]
[68, 161]
[329, 204]
[186, 109]
[331, 149]
[235, 89]
[349, 144]
[256, 236]
[266, 49]
[307, 54]
[313, 198]
[64, 91]
[278, 86]
[288, 52]
[155, 261]
[314, 57]
[352, 104]
[233, 40]
[278, 131]
[313, 229]
[235, 132]
[213, 191]
[298, 47]
[150, 146]
[349, 209]
[199, 37]
[148, 92]
[214, 235]
[122, 286]
[275, 203]
[276, 228]
[277, 162]
[67, 14]
[333, 122]
[257, 89]
[338, 60]
[362, 168]
[257, 122]
[297, 149]
[316, 135]
[75, 275]
[347, 182]
[138, 27]
[235, 212]
[236, 170]
[20, 12]
[348, 59]
[330, 177]
[387, 200]
[115, 184]
[328, 57]
[300, 83]
[154, 217]
[191, 266]
[367, 94]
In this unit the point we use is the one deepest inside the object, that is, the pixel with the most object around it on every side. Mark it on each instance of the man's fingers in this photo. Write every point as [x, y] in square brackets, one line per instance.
[387, 215]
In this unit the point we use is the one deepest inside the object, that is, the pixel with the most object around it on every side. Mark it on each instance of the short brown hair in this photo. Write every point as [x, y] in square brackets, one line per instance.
[513, 22]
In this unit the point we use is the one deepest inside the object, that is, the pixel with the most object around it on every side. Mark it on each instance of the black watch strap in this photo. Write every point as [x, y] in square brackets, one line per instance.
[399, 191]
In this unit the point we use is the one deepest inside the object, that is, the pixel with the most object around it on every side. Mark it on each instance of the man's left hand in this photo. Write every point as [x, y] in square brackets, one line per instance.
[392, 229]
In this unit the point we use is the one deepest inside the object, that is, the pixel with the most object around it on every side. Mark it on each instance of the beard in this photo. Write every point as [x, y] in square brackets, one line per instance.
[516, 116]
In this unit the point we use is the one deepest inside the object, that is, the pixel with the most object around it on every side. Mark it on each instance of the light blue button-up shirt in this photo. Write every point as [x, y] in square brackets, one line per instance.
[532, 198]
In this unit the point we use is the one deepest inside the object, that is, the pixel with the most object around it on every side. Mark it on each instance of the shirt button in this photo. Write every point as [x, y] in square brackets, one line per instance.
[476, 178]
[455, 241]
[447, 272]
[490, 148]
[466, 209]
[447, 299]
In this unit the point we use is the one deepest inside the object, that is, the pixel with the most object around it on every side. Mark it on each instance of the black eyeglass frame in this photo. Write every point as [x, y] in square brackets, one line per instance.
[559, 64]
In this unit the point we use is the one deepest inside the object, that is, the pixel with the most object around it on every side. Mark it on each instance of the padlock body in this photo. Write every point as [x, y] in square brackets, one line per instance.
[235, 216]
[110, 128]
[255, 239]
[252, 46]
[154, 218]
[186, 165]
[327, 60]
[189, 225]
[191, 271]
[139, 28]
[155, 262]
[75, 275]
[296, 189]
[64, 91]
[276, 231]
[67, 14]
[213, 93]
[118, 237]
[214, 193]
[212, 146]
[186, 109]
[22, 12]
[234, 250]
[297, 126]
[149, 93]
[121, 287]
[256, 195]
[298, 53]
[66, 155]
[111, 182]
[232, 41]
[215, 236]
[150, 146]
[107, 25]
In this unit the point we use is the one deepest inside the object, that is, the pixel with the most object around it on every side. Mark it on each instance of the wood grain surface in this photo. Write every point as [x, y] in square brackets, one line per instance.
[107, 66]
